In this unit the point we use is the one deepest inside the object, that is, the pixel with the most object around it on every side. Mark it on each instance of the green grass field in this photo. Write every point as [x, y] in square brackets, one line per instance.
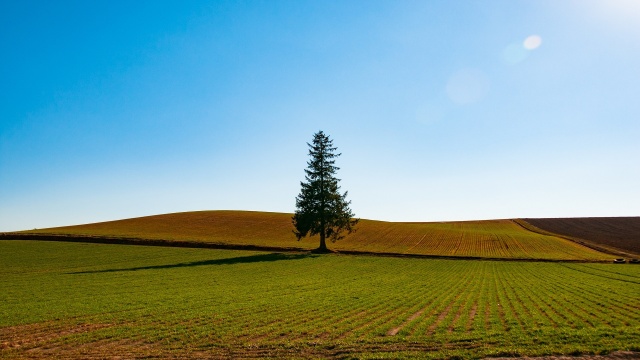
[90, 300]
[489, 239]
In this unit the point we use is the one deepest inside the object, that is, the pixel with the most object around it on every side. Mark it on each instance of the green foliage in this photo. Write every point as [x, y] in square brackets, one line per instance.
[320, 207]
[65, 300]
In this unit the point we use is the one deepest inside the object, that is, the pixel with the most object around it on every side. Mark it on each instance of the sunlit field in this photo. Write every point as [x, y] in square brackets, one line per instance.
[488, 239]
[62, 299]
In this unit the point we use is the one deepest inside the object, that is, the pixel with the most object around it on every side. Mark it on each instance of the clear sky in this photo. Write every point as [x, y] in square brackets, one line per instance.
[443, 110]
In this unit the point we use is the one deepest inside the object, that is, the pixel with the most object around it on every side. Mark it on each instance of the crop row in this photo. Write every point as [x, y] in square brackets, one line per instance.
[75, 298]
[492, 239]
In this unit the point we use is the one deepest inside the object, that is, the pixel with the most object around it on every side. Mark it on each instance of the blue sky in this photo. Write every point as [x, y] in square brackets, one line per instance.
[114, 109]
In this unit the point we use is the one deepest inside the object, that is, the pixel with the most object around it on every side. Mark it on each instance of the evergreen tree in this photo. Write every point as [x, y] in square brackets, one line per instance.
[320, 208]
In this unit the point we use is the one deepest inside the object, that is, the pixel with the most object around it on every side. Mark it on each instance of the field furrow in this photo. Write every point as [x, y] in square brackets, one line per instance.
[77, 301]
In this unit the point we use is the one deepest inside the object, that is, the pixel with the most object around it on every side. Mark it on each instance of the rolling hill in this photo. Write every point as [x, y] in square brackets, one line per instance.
[496, 239]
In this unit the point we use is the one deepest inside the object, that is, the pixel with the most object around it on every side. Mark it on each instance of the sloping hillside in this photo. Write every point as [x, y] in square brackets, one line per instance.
[489, 239]
[621, 233]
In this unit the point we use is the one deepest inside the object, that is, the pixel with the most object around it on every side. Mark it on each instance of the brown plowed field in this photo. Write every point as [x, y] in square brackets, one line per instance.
[610, 232]
[493, 239]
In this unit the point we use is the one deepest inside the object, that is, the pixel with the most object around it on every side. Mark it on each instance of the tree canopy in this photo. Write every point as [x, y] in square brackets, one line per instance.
[320, 207]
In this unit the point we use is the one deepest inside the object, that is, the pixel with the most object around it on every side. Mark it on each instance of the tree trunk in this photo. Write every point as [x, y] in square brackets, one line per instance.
[323, 244]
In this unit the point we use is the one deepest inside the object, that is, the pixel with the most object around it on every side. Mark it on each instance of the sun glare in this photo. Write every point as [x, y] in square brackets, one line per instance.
[620, 14]
[624, 7]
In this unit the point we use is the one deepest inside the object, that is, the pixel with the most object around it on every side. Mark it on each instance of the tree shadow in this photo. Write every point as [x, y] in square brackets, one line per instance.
[227, 261]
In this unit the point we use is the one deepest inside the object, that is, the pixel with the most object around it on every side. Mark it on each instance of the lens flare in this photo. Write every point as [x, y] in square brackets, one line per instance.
[514, 54]
[467, 86]
[532, 42]
[517, 52]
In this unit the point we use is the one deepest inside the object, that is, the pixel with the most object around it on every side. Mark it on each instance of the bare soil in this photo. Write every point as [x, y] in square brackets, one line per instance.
[621, 233]
[612, 356]
[395, 330]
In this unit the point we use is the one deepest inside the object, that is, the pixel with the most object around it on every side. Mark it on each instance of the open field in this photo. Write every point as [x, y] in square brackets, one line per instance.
[61, 299]
[617, 233]
[500, 239]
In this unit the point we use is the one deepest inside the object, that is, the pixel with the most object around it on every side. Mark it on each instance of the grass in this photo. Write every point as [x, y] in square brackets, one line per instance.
[93, 300]
[488, 239]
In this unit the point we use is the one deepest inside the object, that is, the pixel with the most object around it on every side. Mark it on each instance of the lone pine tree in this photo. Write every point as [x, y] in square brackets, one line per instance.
[320, 208]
